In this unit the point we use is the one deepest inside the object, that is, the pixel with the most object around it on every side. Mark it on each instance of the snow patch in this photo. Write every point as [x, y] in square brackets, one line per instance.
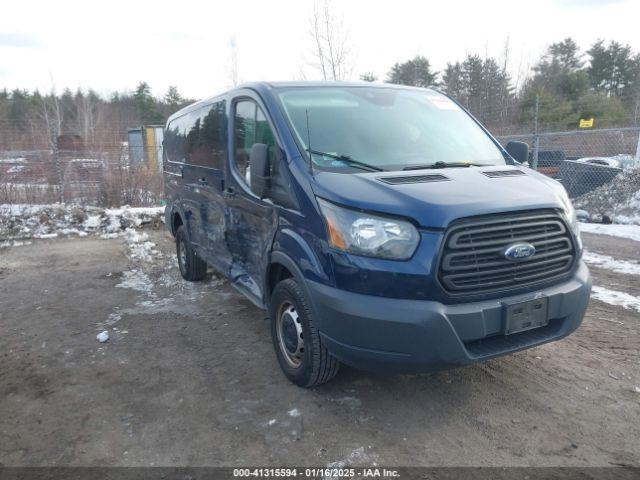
[613, 297]
[139, 246]
[103, 336]
[357, 456]
[14, 243]
[92, 222]
[136, 280]
[610, 263]
[294, 413]
[631, 232]
[114, 318]
[109, 236]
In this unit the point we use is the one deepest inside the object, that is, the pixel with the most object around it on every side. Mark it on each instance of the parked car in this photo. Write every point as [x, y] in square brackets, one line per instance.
[381, 226]
[606, 161]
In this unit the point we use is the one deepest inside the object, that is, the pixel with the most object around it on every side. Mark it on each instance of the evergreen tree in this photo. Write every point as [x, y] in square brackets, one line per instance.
[481, 85]
[613, 69]
[173, 97]
[415, 72]
[560, 71]
[453, 82]
[146, 104]
[368, 77]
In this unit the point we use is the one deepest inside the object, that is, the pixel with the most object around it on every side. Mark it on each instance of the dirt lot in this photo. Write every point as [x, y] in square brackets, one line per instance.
[189, 377]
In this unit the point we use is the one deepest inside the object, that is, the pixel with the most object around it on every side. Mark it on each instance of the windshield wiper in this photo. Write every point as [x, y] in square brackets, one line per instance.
[347, 159]
[445, 165]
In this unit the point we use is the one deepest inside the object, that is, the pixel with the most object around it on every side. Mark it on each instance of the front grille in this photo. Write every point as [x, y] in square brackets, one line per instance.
[473, 261]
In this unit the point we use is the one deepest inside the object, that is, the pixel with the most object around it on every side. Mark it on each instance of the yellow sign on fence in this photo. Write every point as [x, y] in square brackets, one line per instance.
[586, 122]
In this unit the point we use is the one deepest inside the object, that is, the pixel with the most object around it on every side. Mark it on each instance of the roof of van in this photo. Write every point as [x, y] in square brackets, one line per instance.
[291, 84]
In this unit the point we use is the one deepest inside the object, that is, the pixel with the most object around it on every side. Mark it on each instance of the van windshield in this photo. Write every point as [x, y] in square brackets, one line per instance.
[386, 128]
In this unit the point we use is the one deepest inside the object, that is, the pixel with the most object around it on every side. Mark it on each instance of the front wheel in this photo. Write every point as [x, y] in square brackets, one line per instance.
[192, 267]
[299, 349]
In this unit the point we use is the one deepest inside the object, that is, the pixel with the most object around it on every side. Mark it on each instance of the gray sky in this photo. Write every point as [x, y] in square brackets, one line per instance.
[115, 45]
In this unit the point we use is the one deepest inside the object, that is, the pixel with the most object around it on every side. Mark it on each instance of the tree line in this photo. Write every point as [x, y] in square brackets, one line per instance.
[567, 84]
[33, 118]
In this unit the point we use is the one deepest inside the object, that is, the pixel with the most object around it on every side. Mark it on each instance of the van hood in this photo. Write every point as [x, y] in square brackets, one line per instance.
[466, 192]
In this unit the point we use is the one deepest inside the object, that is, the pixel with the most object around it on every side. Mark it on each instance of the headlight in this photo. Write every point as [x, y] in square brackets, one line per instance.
[369, 235]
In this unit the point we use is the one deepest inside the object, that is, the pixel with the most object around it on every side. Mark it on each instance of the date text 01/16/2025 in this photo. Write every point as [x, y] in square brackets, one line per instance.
[319, 473]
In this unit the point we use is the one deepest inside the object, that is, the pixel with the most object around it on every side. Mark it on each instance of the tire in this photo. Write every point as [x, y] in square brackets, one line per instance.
[306, 363]
[192, 268]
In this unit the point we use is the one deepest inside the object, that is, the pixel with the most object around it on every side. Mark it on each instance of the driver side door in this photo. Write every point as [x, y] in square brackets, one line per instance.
[252, 221]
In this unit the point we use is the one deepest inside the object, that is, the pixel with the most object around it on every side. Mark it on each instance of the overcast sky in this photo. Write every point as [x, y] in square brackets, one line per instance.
[185, 43]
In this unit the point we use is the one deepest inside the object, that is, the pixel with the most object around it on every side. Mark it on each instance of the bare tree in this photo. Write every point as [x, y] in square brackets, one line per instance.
[233, 61]
[330, 42]
[50, 114]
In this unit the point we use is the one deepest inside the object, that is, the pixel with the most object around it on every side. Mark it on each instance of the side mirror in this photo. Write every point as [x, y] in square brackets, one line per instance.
[260, 169]
[519, 151]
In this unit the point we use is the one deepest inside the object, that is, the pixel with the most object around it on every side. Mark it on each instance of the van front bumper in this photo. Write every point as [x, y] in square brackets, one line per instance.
[395, 335]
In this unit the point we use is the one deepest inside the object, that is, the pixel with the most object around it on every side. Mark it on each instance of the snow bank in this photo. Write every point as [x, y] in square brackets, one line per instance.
[619, 199]
[21, 221]
[632, 232]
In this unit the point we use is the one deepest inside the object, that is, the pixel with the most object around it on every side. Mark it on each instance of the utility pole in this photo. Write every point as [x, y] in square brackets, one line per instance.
[536, 138]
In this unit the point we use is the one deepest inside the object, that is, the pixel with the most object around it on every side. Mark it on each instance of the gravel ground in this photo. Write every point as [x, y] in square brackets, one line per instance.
[188, 377]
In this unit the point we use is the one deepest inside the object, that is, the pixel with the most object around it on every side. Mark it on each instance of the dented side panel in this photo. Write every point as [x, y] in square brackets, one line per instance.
[251, 229]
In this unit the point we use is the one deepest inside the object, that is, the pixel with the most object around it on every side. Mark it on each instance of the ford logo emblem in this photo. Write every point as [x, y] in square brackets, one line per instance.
[519, 251]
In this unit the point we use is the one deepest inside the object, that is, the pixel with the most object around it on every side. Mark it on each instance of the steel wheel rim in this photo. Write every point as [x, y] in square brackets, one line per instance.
[289, 334]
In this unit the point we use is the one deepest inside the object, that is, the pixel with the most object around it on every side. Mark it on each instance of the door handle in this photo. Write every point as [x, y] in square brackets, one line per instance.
[202, 180]
[229, 192]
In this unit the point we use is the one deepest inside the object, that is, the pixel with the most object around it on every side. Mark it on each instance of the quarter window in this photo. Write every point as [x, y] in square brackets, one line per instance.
[205, 142]
[197, 138]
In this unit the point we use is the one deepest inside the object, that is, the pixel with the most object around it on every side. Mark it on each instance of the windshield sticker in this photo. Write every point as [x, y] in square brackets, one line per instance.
[443, 103]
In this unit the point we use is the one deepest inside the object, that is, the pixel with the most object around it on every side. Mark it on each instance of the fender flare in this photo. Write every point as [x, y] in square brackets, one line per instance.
[176, 208]
[286, 261]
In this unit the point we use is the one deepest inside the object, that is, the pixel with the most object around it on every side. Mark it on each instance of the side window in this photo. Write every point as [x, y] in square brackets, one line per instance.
[204, 140]
[250, 127]
[174, 141]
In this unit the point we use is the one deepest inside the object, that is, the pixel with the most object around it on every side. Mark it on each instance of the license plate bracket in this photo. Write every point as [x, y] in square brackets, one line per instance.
[527, 315]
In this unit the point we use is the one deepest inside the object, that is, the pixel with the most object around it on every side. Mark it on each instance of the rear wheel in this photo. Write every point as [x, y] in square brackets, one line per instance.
[192, 267]
[299, 349]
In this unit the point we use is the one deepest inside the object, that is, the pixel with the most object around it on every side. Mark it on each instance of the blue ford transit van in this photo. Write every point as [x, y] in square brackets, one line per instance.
[381, 226]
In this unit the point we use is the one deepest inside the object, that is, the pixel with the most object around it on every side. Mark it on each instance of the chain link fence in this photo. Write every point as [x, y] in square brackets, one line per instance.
[109, 175]
[600, 169]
